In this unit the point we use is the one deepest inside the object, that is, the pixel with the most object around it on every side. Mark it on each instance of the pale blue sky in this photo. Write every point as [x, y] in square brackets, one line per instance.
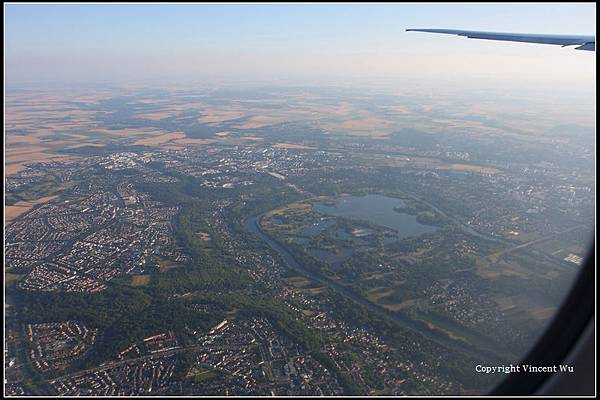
[156, 41]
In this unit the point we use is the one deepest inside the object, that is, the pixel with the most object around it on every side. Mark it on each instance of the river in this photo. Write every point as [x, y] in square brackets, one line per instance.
[438, 336]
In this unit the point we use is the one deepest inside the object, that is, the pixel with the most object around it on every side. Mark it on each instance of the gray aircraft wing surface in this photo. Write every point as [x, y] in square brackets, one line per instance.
[583, 42]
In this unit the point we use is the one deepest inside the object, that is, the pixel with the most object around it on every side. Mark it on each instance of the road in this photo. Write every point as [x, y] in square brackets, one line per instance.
[161, 354]
[539, 240]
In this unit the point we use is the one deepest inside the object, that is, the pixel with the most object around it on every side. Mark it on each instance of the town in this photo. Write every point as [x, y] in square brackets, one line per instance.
[331, 306]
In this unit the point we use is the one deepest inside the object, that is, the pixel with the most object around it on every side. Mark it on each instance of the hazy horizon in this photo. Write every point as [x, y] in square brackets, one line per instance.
[304, 43]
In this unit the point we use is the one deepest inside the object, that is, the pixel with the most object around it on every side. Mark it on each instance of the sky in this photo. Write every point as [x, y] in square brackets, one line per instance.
[293, 42]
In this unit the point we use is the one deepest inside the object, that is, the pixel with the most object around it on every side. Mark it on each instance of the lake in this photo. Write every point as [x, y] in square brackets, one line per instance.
[376, 209]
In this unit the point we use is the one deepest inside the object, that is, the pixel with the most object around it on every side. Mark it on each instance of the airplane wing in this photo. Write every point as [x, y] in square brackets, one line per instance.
[583, 42]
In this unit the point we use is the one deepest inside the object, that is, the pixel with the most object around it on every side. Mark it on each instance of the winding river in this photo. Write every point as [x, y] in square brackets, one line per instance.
[486, 350]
